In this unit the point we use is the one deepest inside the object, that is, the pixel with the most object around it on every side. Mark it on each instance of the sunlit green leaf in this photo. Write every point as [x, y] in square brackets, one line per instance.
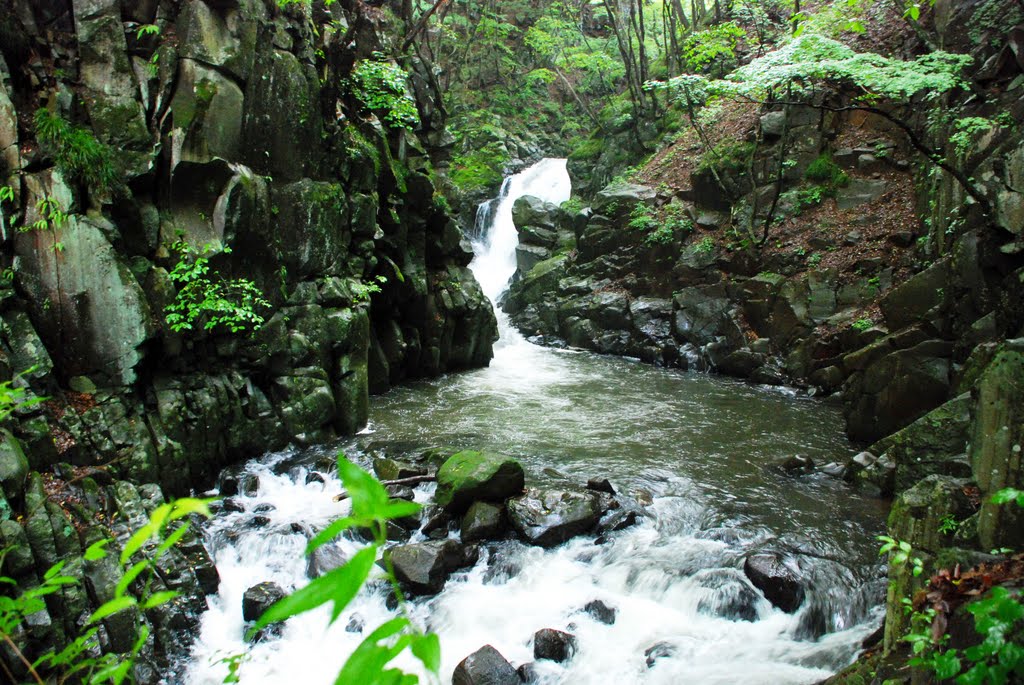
[338, 586]
[96, 550]
[112, 607]
[158, 598]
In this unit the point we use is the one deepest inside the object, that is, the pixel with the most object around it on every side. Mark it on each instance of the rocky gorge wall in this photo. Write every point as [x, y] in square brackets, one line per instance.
[233, 128]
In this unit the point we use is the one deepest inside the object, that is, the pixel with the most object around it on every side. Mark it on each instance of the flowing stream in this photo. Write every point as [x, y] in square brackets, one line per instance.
[703, 451]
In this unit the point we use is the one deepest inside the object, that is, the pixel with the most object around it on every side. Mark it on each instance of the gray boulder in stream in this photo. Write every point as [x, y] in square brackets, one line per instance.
[780, 584]
[258, 598]
[469, 476]
[485, 666]
[424, 567]
[550, 517]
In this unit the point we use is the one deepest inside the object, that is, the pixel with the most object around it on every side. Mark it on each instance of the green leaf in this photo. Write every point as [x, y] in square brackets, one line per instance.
[96, 550]
[138, 539]
[946, 665]
[129, 576]
[112, 607]
[54, 570]
[367, 662]
[158, 598]
[170, 541]
[369, 498]
[189, 505]
[339, 586]
[112, 673]
[330, 532]
[427, 649]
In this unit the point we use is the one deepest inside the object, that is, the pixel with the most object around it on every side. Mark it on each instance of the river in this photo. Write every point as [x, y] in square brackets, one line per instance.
[703, 450]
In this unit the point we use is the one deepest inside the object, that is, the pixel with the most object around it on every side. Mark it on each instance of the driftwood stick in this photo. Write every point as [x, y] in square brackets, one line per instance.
[411, 480]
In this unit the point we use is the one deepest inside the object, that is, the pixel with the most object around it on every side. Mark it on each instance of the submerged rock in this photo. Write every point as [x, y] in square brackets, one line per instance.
[659, 650]
[554, 645]
[601, 612]
[550, 517]
[324, 559]
[469, 476]
[485, 666]
[779, 583]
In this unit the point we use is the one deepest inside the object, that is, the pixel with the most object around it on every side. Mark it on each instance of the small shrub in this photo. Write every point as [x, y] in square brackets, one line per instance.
[75, 150]
[706, 244]
[642, 218]
[209, 300]
[825, 171]
[862, 324]
[381, 86]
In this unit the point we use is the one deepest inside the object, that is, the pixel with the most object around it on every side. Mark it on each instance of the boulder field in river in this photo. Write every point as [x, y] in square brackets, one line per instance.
[226, 132]
[488, 490]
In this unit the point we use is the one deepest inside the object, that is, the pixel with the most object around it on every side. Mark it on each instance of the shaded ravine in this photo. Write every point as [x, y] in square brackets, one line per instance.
[703, 450]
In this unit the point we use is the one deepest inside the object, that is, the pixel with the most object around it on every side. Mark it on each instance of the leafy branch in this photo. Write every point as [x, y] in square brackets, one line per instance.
[372, 508]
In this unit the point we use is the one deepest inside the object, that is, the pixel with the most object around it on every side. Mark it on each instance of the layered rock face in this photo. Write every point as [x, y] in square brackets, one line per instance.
[132, 133]
[232, 131]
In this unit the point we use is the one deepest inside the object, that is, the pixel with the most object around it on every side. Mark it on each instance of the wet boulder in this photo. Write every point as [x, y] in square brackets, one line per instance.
[469, 476]
[776, 579]
[485, 666]
[528, 673]
[797, 465]
[600, 612]
[550, 517]
[324, 559]
[483, 521]
[424, 567]
[554, 645]
[258, 598]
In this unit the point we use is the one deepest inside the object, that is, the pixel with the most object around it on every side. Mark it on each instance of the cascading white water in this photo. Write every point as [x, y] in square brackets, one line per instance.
[495, 260]
[674, 579]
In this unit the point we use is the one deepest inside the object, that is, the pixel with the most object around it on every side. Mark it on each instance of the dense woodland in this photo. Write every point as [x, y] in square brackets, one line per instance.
[227, 225]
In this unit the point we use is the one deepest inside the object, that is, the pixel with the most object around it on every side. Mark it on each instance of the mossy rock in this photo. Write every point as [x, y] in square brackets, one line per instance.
[469, 476]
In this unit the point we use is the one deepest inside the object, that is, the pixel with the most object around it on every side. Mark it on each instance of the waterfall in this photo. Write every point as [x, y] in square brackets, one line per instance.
[495, 260]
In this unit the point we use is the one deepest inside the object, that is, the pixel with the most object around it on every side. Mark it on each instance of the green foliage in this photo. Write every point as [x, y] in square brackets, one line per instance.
[902, 553]
[728, 158]
[1007, 495]
[706, 244]
[862, 324]
[381, 86]
[572, 206]
[713, 47]
[51, 216]
[361, 292]
[966, 130]
[208, 300]
[811, 60]
[372, 508]
[76, 151]
[824, 170]
[479, 170]
[948, 524]
[14, 398]
[81, 660]
[589, 149]
[147, 30]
